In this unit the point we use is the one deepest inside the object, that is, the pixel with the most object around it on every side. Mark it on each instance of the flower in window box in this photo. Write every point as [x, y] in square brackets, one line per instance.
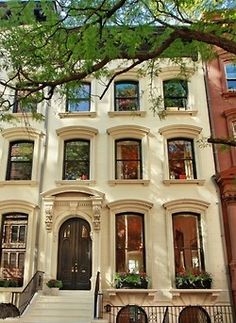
[131, 280]
[194, 279]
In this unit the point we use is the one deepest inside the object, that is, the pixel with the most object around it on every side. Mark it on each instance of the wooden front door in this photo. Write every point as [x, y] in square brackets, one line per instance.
[74, 254]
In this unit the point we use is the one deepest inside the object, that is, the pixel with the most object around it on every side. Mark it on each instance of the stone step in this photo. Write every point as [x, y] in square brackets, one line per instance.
[67, 307]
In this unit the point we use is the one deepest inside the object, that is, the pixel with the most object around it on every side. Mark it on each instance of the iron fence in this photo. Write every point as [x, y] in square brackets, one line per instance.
[170, 314]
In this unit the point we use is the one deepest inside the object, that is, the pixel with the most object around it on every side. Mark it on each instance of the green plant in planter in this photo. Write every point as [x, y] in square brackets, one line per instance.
[8, 283]
[131, 280]
[54, 283]
[194, 279]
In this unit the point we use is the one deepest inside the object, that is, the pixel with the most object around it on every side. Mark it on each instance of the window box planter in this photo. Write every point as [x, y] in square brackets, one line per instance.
[131, 280]
[193, 280]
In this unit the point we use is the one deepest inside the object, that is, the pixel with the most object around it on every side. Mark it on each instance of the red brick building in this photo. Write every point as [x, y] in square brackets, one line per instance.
[221, 83]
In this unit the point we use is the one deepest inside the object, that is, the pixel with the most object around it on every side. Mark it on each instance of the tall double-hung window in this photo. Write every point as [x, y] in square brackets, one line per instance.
[126, 96]
[188, 246]
[76, 159]
[20, 159]
[181, 158]
[175, 93]
[79, 98]
[128, 159]
[130, 246]
[13, 246]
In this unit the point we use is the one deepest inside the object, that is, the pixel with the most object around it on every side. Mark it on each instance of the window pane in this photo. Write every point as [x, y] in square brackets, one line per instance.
[231, 76]
[175, 93]
[126, 96]
[79, 98]
[129, 243]
[22, 233]
[14, 233]
[181, 159]
[128, 159]
[187, 243]
[20, 161]
[76, 164]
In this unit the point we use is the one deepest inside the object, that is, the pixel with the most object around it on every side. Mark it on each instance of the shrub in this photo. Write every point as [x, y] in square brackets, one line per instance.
[54, 283]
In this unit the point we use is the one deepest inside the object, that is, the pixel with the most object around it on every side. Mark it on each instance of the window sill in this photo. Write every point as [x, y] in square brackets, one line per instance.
[228, 94]
[131, 296]
[113, 114]
[77, 114]
[184, 181]
[175, 111]
[114, 182]
[77, 181]
[18, 182]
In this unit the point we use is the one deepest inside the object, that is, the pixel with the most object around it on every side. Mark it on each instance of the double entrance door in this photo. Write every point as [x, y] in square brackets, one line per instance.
[75, 254]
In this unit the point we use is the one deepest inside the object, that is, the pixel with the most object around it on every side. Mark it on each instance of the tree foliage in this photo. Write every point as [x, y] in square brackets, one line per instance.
[54, 44]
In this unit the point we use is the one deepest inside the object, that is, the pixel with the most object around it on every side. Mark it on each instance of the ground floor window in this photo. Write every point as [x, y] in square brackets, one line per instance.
[194, 314]
[132, 313]
[188, 246]
[13, 246]
[130, 249]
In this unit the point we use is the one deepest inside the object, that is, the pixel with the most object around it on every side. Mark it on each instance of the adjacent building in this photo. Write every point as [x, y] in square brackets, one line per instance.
[221, 77]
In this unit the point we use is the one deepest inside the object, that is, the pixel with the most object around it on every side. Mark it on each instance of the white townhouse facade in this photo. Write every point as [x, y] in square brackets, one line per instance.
[107, 186]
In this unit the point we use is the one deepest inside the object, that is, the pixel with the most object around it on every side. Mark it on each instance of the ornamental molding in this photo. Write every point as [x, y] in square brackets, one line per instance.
[49, 208]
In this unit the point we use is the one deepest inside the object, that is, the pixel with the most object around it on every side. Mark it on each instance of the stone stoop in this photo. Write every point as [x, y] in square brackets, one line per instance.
[67, 307]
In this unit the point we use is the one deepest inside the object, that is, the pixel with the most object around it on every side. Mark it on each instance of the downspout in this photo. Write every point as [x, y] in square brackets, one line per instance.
[216, 164]
[41, 182]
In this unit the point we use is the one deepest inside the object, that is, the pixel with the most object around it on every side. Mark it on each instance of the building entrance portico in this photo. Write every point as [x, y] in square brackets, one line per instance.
[72, 242]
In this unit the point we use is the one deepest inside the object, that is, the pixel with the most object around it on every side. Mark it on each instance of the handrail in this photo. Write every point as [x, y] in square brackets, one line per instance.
[97, 298]
[23, 298]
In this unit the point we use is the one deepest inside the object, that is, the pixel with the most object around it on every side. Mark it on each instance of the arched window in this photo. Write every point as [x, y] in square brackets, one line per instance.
[126, 95]
[181, 158]
[194, 314]
[128, 159]
[13, 246]
[20, 159]
[132, 314]
[175, 93]
[130, 246]
[187, 239]
[76, 159]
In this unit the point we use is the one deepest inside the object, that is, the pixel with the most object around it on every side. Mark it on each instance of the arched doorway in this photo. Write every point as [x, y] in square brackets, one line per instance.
[131, 314]
[75, 254]
[194, 314]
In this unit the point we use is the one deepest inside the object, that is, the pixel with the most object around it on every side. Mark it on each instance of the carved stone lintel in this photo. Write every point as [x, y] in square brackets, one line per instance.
[96, 214]
[49, 216]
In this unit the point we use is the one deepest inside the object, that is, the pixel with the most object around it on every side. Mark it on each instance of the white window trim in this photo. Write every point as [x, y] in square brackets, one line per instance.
[181, 131]
[76, 132]
[129, 76]
[134, 132]
[132, 206]
[184, 206]
[22, 133]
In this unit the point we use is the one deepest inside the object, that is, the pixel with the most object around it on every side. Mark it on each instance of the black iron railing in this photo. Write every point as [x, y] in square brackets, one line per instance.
[22, 299]
[98, 296]
[171, 314]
